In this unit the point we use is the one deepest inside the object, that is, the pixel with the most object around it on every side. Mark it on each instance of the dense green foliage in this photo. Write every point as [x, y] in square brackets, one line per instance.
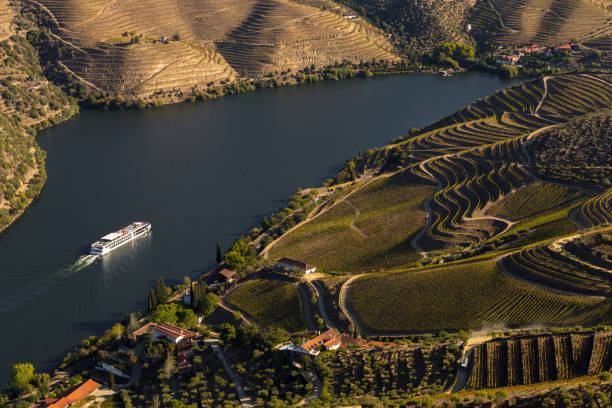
[577, 152]
[401, 374]
[203, 301]
[158, 294]
[415, 27]
[29, 103]
[240, 255]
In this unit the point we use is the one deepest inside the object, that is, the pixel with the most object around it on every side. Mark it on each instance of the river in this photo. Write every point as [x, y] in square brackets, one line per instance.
[200, 173]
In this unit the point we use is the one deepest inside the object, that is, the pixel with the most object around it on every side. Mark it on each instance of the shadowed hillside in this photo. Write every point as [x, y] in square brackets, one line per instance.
[136, 48]
[547, 22]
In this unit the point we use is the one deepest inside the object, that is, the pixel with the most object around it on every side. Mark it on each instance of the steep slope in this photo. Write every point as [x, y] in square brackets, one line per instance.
[28, 103]
[137, 48]
[418, 26]
[547, 22]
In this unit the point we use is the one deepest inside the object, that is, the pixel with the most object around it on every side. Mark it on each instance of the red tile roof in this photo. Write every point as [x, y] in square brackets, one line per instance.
[173, 331]
[311, 344]
[227, 273]
[75, 394]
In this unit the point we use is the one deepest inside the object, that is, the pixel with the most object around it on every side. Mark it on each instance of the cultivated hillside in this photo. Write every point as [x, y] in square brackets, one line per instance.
[547, 22]
[118, 44]
[489, 187]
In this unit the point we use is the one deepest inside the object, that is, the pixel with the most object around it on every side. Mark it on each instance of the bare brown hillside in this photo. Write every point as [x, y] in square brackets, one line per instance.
[119, 45]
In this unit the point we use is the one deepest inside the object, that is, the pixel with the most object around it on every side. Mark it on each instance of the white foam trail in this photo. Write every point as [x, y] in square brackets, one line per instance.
[38, 287]
[80, 264]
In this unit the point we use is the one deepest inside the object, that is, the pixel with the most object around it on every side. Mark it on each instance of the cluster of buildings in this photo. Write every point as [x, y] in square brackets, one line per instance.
[71, 396]
[330, 340]
[513, 59]
[183, 339]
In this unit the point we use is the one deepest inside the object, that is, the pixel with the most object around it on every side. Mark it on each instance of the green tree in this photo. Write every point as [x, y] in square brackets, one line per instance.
[132, 322]
[208, 304]
[111, 380]
[509, 71]
[42, 382]
[239, 255]
[166, 313]
[228, 332]
[187, 318]
[23, 374]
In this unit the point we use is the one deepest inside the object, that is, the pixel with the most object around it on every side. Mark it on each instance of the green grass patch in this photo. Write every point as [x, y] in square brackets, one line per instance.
[458, 297]
[390, 214]
[271, 303]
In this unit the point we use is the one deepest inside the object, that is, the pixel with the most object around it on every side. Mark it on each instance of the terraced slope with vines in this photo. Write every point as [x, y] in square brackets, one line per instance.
[137, 48]
[548, 22]
[523, 360]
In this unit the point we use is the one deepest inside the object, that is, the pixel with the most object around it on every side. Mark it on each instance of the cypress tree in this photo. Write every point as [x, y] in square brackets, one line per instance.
[111, 380]
[150, 300]
[219, 254]
[192, 303]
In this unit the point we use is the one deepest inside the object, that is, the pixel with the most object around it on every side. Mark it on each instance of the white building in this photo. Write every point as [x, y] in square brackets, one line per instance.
[295, 266]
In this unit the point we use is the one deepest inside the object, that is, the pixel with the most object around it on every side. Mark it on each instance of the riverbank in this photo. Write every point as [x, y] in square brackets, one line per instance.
[109, 168]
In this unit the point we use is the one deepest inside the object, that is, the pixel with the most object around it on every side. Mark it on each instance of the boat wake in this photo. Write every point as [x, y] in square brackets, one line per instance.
[40, 286]
[80, 264]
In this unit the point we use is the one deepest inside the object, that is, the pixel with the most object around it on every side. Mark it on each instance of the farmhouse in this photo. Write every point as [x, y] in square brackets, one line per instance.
[333, 340]
[172, 333]
[227, 275]
[507, 59]
[73, 395]
[295, 266]
[533, 48]
[166, 331]
[563, 48]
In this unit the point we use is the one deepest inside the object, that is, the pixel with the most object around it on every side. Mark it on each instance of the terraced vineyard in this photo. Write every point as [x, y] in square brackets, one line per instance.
[467, 296]
[488, 196]
[370, 229]
[533, 199]
[547, 22]
[119, 45]
[555, 269]
[522, 360]
[594, 248]
[270, 303]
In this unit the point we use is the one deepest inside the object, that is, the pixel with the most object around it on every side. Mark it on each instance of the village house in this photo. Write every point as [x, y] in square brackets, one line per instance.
[507, 59]
[227, 275]
[533, 48]
[295, 266]
[184, 355]
[333, 340]
[73, 395]
[165, 331]
[563, 48]
[172, 333]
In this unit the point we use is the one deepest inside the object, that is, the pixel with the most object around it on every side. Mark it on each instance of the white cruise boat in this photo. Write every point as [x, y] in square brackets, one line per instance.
[116, 239]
